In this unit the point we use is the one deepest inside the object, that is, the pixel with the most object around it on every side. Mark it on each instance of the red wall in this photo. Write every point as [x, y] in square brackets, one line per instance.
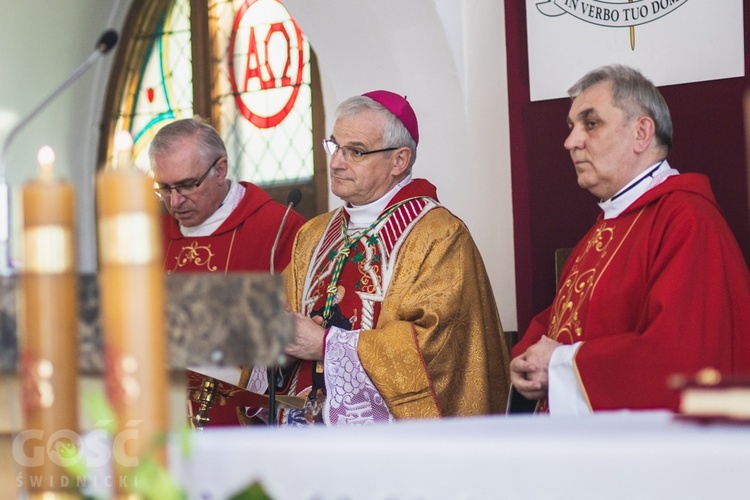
[551, 211]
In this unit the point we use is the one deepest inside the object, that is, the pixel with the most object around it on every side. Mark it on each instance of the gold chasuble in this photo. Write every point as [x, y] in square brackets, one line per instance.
[415, 289]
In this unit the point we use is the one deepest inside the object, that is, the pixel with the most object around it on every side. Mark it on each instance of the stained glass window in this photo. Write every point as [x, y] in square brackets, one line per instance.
[164, 92]
[258, 73]
[263, 90]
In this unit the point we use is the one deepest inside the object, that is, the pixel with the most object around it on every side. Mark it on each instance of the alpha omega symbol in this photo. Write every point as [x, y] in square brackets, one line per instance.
[265, 60]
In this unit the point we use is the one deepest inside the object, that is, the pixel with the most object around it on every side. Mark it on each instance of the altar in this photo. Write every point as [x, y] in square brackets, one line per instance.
[619, 455]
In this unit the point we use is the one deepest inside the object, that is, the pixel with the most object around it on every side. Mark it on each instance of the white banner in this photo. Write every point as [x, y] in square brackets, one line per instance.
[670, 41]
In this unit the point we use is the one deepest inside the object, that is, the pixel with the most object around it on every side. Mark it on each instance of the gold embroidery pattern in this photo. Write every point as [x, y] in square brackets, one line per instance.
[599, 241]
[370, 273]
[576, 290]
[579, 285]
[199, 256]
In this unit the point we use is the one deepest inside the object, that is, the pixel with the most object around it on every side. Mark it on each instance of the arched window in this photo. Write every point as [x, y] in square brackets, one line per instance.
[242, 64]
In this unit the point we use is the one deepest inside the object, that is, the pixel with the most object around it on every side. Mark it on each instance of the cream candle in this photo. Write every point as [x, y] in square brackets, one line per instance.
[132, 308]
[48, 322]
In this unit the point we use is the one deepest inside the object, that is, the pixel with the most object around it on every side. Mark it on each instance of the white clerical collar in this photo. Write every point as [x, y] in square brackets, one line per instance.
[208, 226]
[361, 216]
[650, 178]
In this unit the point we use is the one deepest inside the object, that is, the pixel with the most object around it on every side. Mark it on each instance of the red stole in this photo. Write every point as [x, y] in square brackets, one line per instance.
[366, 273]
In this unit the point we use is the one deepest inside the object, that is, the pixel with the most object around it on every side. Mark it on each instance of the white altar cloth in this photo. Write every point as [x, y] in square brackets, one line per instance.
[622, 455]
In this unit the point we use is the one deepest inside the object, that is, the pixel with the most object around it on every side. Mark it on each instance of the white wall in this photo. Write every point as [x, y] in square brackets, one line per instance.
[43, 42]
[447, 56]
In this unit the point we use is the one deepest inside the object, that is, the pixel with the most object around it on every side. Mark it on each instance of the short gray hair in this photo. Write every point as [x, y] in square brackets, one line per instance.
[395, 134]
[209, 143]
[634, 94]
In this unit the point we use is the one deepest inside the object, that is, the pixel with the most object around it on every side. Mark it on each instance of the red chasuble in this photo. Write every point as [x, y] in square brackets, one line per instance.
[661, 289]
[242, 243]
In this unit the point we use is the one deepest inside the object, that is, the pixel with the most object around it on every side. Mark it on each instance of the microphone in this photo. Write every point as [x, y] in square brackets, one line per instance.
[106, 41]
[295, 196]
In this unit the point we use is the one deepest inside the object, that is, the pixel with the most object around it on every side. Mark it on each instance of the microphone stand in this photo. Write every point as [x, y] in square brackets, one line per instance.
[292, 200]
[106, 41]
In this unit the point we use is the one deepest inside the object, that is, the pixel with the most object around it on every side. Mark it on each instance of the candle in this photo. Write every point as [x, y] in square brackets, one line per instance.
[132, 312]
[48, 322]
[123, 146]
[46, 159]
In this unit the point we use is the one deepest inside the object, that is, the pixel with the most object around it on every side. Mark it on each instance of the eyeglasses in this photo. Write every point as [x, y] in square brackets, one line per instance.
[350, 153]
[164, 191]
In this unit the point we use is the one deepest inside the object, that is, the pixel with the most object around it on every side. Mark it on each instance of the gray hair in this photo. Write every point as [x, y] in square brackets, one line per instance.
[634, 94]
[209, 143]
[395, 134]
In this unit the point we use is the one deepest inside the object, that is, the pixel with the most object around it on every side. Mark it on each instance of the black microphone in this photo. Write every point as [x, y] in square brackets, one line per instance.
[106, 41]
[295, 196]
